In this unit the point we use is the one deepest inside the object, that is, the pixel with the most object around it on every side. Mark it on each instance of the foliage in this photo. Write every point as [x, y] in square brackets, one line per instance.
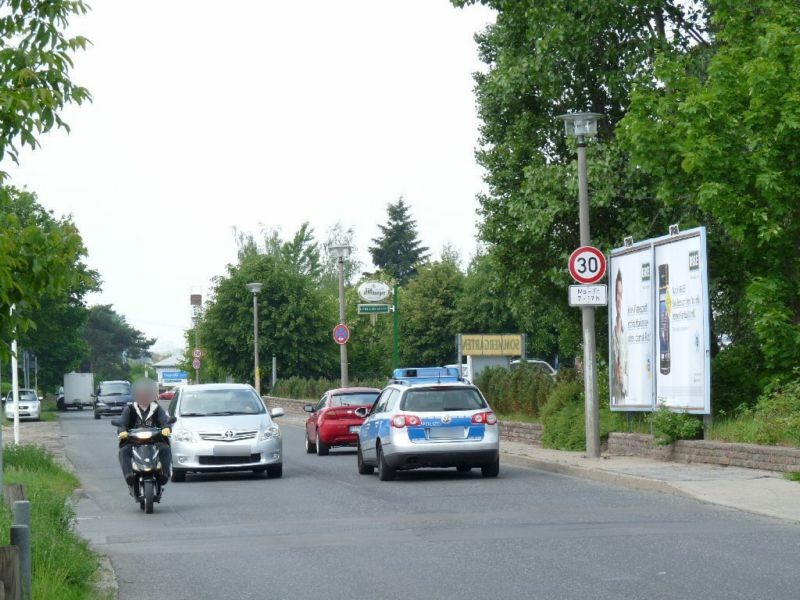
[111, 341]
[562, 417]
[369, 351]
[429, 315]
[522, 390]
[302, 388]
[483, 306]
[793, 476]
[398, 250]
[669, 426]
[720, 134]
[63, 564]
[35, 63]
[40, 257]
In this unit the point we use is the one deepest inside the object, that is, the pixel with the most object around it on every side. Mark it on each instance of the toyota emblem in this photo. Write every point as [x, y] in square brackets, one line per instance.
[228, 435]
[446, 419]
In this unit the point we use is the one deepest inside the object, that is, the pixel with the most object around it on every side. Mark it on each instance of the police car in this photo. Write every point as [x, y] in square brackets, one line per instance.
[429, 417]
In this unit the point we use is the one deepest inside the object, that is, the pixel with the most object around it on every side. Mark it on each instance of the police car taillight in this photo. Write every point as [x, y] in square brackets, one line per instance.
[400, 421]
[488, 418]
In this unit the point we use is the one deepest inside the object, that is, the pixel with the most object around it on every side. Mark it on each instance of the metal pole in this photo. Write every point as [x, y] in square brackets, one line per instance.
[589, 344]
[255, 344]
[274, 371]
[196, 345]
[36, 373]
[342, 347]
[15, 389]
[21, 538]
[396, 329]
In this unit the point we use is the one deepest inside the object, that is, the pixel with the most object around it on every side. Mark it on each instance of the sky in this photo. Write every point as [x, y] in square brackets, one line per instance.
[209, 116]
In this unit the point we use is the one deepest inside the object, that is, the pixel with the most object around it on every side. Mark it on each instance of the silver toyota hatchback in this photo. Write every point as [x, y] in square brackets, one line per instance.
[224, 427]
[429, 417]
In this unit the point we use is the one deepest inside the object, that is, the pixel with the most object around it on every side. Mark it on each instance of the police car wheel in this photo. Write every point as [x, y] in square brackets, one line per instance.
[385, 472]
[492, 469]
[363, 469]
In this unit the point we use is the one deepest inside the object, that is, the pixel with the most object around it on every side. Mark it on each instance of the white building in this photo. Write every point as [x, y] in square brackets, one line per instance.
[169, 373]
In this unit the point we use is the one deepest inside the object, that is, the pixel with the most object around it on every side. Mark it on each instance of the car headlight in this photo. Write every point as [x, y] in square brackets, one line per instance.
[182, 435]
[100, 403]
[271, 432]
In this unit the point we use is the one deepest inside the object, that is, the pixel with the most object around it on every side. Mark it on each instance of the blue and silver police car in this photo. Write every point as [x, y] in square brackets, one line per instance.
[429, 417]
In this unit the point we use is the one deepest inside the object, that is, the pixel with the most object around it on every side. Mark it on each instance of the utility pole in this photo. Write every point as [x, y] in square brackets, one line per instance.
[341, 252]
[255, 288]
[396, 328]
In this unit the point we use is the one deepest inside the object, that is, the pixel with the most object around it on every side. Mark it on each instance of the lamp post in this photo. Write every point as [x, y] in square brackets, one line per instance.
[341, 252]
[581, 125]
[255, 288]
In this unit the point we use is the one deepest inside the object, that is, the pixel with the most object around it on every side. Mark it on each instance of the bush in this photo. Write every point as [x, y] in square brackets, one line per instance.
[302, 388]
[669, 426]
[523, 390]
[563, 417]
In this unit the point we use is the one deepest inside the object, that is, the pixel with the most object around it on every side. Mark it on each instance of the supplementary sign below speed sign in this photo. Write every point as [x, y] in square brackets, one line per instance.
[587, 265]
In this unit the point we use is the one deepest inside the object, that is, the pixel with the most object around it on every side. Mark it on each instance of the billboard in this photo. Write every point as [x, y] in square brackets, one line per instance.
[500, 344]
[659, 350]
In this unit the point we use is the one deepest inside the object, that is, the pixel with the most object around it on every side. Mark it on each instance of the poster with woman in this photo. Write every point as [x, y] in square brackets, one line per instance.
[631, 328]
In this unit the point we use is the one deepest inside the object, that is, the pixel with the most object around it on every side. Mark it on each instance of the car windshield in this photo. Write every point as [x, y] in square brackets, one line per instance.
[26, 396]
[121, 388]
[359, 399]
[207, 403]
[442, 399]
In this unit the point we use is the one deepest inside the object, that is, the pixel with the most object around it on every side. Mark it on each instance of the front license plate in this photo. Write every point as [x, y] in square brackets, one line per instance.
[355, 428]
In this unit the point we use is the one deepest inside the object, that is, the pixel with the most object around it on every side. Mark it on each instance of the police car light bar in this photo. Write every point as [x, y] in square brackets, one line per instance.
[426, 375]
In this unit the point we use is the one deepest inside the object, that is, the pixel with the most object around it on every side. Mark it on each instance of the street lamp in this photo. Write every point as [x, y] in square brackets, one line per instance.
[340, 252]
[581, 125]
[255, 288]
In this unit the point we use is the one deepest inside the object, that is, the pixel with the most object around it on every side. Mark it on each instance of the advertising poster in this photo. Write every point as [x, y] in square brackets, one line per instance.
[631, 328]
[682, 344]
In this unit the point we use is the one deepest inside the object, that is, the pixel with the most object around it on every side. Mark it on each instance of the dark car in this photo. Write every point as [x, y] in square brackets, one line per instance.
[111, 397]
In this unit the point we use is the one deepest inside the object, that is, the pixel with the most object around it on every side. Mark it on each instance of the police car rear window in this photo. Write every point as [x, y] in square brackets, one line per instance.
[442, 400]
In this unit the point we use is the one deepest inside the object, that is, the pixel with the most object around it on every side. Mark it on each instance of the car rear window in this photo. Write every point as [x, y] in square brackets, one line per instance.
[115, 389]
[359, 399]
[442, 399]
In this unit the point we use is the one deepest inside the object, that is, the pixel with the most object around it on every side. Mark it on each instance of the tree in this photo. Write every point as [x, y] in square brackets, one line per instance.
[721, 134]
[35, 63]
[545, 59]
[112, 341]
[429, 315]
[41, 259]
[483, 306]
[398, 251]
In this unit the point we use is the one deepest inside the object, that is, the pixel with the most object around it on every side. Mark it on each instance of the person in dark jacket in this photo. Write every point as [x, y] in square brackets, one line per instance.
[144, 411]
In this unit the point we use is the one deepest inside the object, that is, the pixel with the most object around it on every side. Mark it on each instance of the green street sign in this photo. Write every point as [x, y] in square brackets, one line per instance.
[373, 309]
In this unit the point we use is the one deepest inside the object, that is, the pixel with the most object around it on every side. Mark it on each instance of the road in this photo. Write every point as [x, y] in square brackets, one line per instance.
[323, 531]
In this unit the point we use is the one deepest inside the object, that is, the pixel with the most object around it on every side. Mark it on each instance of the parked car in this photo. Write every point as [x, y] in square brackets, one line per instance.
[30, 406]
[333, 421]
[539, 365]
[111, 397]
[166, 396]
[224, 427]
[429, 417]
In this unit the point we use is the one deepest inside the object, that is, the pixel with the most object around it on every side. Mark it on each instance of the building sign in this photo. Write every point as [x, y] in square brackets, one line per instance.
[503, 344]
[196, 302]
[374, 291]
[659, 325]
[173, 378]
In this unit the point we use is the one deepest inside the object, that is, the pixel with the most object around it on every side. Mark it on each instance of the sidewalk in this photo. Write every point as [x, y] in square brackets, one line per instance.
[760, 492]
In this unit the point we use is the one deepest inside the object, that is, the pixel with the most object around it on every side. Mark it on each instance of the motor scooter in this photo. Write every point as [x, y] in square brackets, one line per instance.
[146, 489]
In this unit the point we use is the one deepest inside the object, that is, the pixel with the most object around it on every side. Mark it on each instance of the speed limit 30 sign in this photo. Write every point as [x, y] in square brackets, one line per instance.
[587, 265]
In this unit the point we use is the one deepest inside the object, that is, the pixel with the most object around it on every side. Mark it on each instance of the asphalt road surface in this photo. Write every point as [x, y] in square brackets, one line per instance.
[323, 531]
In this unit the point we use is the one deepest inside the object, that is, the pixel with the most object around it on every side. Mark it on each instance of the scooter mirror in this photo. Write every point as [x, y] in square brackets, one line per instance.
[173, 420]
[115, 422]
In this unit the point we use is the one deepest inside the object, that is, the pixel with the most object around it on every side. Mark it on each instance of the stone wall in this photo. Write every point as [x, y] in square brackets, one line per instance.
[513, 431]
[750, 456]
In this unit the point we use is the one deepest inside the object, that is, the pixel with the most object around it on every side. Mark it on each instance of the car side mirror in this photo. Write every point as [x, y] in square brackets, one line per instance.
[361, 411]
[309, 408]
[276, 412]
[116, 423]
[173, 420]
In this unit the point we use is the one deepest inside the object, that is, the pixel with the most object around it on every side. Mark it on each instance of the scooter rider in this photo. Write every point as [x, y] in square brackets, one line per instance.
[144, 411]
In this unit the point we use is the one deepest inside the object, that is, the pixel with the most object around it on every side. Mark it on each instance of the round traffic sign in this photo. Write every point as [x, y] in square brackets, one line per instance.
[587, 265]
[196, 363]
[197, 353]
[341, 333]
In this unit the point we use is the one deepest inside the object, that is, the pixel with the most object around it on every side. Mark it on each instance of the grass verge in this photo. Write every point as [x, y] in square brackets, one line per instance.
[793, 476]
[63, 565]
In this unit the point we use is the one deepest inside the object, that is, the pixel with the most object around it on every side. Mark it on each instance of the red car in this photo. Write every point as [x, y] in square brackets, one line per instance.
[166, 395]
[333, 421]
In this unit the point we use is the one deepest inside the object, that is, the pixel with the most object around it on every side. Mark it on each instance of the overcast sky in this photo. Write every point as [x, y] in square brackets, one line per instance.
[213, 115]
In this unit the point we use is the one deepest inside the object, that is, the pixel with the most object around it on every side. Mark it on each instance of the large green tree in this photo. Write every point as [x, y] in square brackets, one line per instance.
[545, 59]
[112, 341]
[398, 250]
[721, 134]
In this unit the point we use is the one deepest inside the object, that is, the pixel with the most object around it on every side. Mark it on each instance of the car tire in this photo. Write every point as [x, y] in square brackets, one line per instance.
[310, 448]
[463, 469]
[385, 472]
[96, 416]
[178, 476]
[363, 468]
[492, 469]
[322, 448]
[80, 405]
[275, 471]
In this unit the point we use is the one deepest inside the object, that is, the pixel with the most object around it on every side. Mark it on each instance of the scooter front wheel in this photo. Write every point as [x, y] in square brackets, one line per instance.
[149, 496]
